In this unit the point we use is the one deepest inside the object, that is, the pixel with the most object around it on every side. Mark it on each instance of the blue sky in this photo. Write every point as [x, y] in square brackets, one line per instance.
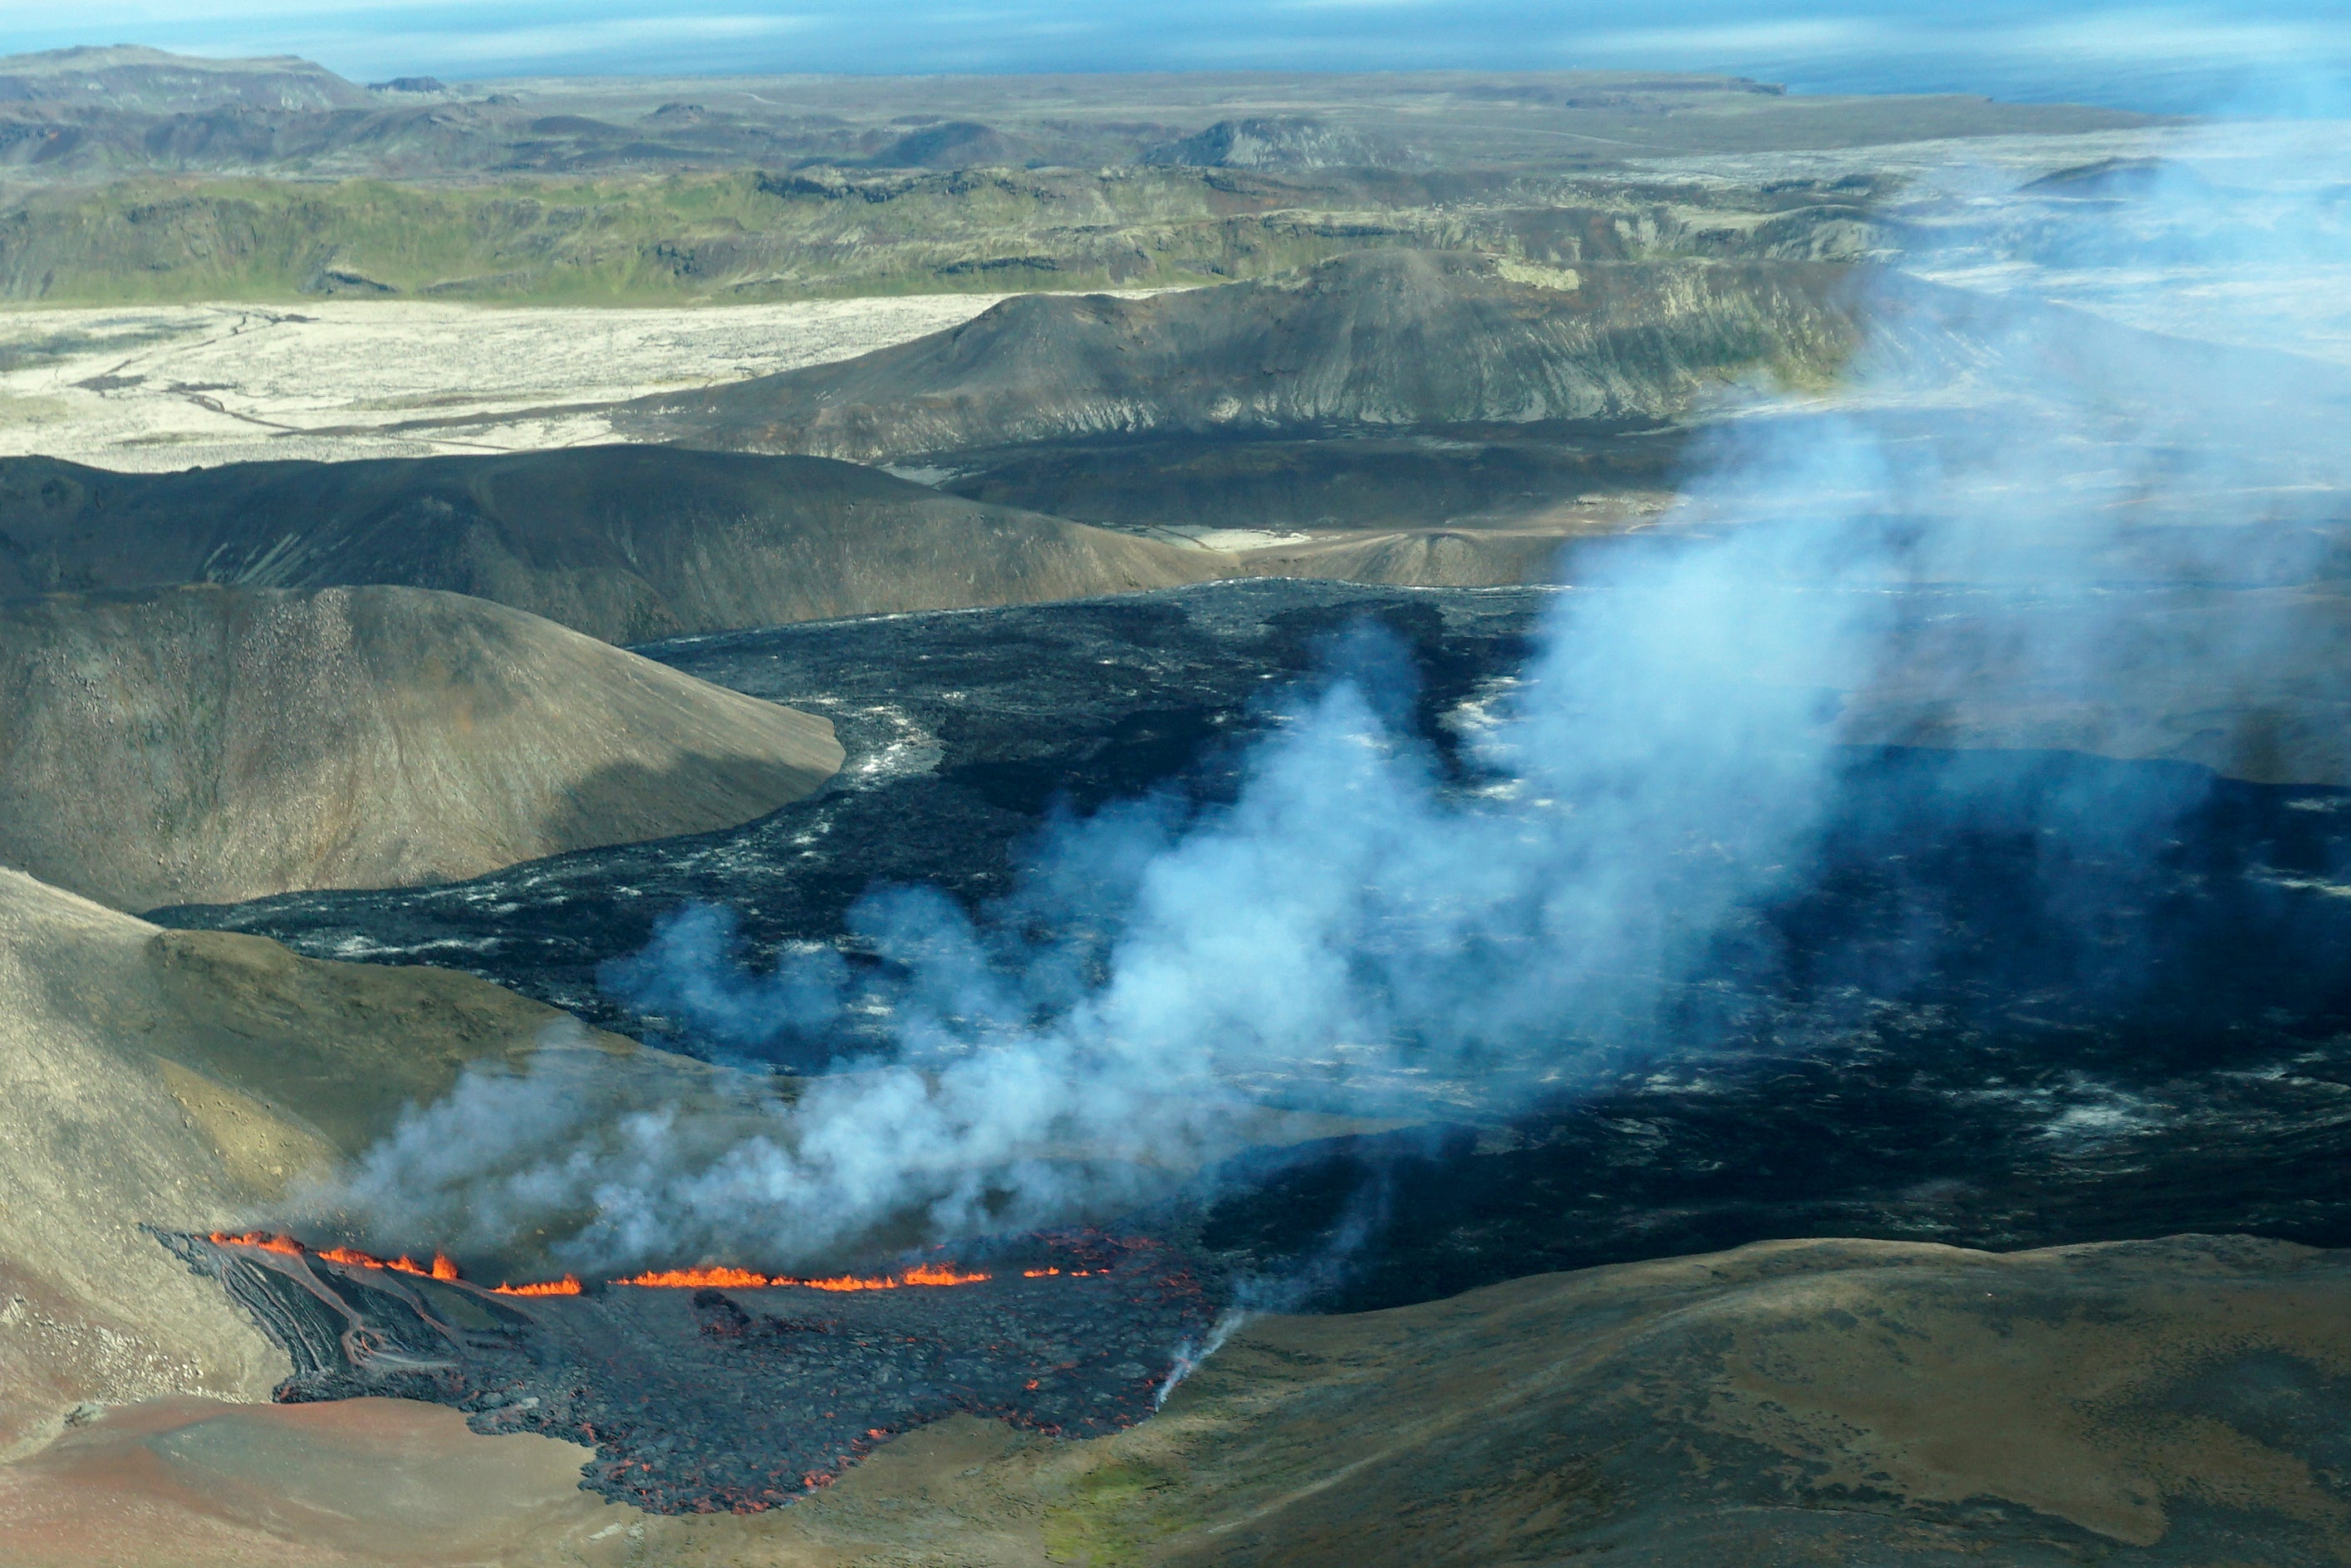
[2168, 55]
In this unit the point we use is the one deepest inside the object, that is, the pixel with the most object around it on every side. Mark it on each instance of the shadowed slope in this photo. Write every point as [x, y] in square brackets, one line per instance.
[1375, 340]
[209, 744]
[623, 543]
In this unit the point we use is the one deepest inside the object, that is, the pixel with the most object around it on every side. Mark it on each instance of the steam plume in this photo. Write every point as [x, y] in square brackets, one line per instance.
[1357, 929]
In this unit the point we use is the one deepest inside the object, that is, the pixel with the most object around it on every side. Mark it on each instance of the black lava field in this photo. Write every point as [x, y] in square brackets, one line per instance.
[699, 1400]
[2015, 998]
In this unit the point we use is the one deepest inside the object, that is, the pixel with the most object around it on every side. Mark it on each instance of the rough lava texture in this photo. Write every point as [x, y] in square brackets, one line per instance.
[210, 744]
[151, 1077]
[626, 544]
[1375, 339]
[745, 1397]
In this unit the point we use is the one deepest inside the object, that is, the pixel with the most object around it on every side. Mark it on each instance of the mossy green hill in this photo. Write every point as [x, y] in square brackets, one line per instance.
[749, 235]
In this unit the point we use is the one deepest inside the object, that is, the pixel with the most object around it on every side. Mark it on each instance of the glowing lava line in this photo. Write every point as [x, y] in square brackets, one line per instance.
[440, 1268]
[748, 1280]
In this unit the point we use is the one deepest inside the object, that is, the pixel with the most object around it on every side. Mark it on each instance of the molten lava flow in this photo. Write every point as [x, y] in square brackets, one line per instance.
[568, 1285]
[844, 1283]
[352, 1257]
[684, 1279]
[938, 1274]
[745, 1280]
[261, 1238]
[1039, 1273]
[443, 1269]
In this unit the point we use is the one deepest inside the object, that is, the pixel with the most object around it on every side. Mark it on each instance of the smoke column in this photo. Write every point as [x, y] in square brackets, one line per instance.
[1355, 929]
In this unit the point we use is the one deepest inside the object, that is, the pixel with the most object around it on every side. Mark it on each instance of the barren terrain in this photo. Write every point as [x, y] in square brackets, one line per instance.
[2164, 1402]
[164, 386]
[623, 543]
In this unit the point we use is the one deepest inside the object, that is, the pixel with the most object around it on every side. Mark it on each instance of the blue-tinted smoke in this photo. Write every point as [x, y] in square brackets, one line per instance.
[2050, 531]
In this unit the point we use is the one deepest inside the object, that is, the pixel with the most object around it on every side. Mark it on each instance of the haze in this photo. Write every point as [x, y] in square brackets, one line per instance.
[2155, 58]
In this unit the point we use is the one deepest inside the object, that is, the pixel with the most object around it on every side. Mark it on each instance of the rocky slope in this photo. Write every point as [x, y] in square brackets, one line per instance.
[1377, 340]
[626, 544]
[184, 1080]
[211, 745]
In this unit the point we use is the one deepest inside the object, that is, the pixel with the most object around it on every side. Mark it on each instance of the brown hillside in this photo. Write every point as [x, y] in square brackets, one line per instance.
[208, 744]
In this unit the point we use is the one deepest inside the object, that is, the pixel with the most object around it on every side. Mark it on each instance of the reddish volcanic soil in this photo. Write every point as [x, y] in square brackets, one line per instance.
[192, 1482]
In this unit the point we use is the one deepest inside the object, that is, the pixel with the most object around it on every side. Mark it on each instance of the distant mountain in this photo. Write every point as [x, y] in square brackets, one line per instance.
[126, 76]
[77, 114]
[1388, 342]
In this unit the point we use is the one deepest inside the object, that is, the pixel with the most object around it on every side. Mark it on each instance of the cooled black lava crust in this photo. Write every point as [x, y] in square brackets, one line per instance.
[962, 728]
[2015, 999]
[706, 1400]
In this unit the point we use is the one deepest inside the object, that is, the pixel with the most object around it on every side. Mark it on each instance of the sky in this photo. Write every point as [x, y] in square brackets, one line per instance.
[2164, 57]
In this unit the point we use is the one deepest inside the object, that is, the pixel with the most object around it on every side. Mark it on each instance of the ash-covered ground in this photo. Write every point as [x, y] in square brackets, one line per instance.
[2014, 998]
[702, 1399]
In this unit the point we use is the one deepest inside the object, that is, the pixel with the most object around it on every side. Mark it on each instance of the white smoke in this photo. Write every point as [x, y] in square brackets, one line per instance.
[1355, 930]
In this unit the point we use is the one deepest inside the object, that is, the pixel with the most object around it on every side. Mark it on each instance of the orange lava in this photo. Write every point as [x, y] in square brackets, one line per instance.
[686, 1278]
[1038, 1274]
[748, 1280]
[349, 1257]
[261, 1238]
[568, 1285]
[938, 1274]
